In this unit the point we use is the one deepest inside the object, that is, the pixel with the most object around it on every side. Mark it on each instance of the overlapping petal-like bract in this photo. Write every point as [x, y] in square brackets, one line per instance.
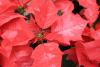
[32, 30]
[22, 3]
[20, 57]
[47, 55]
[91, 10]
[84, 54]
[92, 50]
[45, 12]
[69, 31]
[7, 14]
[14, 33]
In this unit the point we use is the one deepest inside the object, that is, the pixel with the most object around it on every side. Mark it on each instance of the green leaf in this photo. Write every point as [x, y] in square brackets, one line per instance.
[67, 63]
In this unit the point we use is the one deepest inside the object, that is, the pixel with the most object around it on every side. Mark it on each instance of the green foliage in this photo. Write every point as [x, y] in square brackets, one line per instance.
[67, 63]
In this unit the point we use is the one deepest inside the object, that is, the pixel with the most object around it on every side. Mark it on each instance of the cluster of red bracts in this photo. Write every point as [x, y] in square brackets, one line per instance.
[32, 30]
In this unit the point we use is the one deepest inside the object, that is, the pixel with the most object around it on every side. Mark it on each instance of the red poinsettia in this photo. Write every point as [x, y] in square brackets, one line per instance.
[90, 11]
[13, 29]
[85, 54]
[68, 26]
[32, 30]
[7, 11]
[45, 12]
[48, 55]
[14, 33]
[22, 56]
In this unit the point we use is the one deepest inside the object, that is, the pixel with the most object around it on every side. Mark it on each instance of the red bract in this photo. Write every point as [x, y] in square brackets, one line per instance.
[90, 11]
[92, 50]
[83, 59]
[14, 33]
[68, 26]
[87, 34]
[12, 8]
[17, 32]
[47, 55]
[33, 26]
[80, 51]
[32, 30]
[90, 34]
[96, 34]
[64, 5]
[87, 31]
[69, 31]
[8, 13]
[4, 5]
[22, 3]
[4, 17]
[45, 12]
[20, 57]
[97, 26]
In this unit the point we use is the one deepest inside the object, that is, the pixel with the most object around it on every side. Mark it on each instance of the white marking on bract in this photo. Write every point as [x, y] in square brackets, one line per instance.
[0, 3]
[10, 34]
[53, 65]
[37, 9]
[50, 55]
